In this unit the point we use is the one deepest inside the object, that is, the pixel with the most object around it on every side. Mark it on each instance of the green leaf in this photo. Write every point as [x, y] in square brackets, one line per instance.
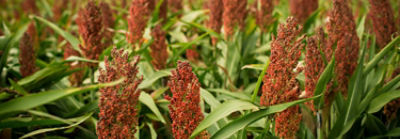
[254, 66]
[209, 98]
[236, 95]
[5, 46]
[238, 124]
[77, 58]
[147, 100]
[322, 83]
[38, 99]
[153, 78]
[40, 131]
[222, 111]
[388, 48]
[67, 36]
[259, 80]
[378, 102]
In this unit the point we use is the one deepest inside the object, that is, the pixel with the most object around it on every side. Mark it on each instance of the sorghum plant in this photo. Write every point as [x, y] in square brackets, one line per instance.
[280, 83]
[163, 11]
[315, 62]
[108, 22]
[26, 55]
[184, 107]
[90, 26]
[139, 13]
[175, 5]
[215, 19]
[159, 48]
[58, 9]
[29, 7]
[342, 34]
[118, 113]
[301, 9]
[264, 9]
[75, 78]
[234, 13]
[383, 20]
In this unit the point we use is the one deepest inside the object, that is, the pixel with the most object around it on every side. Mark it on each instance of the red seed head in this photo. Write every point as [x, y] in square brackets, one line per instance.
[163, 11]
[314, 62]
[90, 26]
[280, 83]
[27, 55]
[342, 34]
[382, 17]
[108, 22]
[184, 108]
[139, 11]
[58, 8]
[280, 77]
[234, 14]
[215, 21]
[29, 7]
[75, 78]
[301, 9]
[159, 48]
[118, 113]
[192, 55]
[264, 9]
[175, 5]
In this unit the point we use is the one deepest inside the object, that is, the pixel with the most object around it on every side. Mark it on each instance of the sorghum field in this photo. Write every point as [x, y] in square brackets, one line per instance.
[199, 69]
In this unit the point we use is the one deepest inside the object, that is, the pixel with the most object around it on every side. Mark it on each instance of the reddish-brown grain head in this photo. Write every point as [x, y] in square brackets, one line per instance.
[29, 7]
[118, 115]
[175, 5]
[108, 23]
[383, 21]
[342, 34]
[90, 26]
[215, 20]
[26, 56]
[234, 14]
[184, 107]
[263, 13]
[280, 83]
[139, 13]
[159, 48]
[302, 9]
[315, 62]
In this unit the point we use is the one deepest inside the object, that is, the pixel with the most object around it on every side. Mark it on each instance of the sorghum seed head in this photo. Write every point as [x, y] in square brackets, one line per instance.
[159, 48]
[118, 113]
[26, 55]
[342, 34]
[264, 9]
[90, 26]
[184, 108]
[139, 13]
[383, 21]
[302, 9]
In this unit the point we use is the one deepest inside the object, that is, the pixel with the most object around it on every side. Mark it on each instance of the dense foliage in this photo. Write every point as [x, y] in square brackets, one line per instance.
[199, 69]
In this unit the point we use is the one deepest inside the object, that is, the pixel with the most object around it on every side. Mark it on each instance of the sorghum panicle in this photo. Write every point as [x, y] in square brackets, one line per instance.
[118, 113]
[280, 83]
[175, 5]
[108, 22]
[90, 25]
[163, 11]
[159, 48]
[234, 13]
[383, 21]
[29, 7]
[314, 62]
[184, 104]
[264, 9]
[192, 55]
[301, 9]
[139, 14]
[75, 78]
[26, 55]
[342, 34]
[215, 21]
[58, 8]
